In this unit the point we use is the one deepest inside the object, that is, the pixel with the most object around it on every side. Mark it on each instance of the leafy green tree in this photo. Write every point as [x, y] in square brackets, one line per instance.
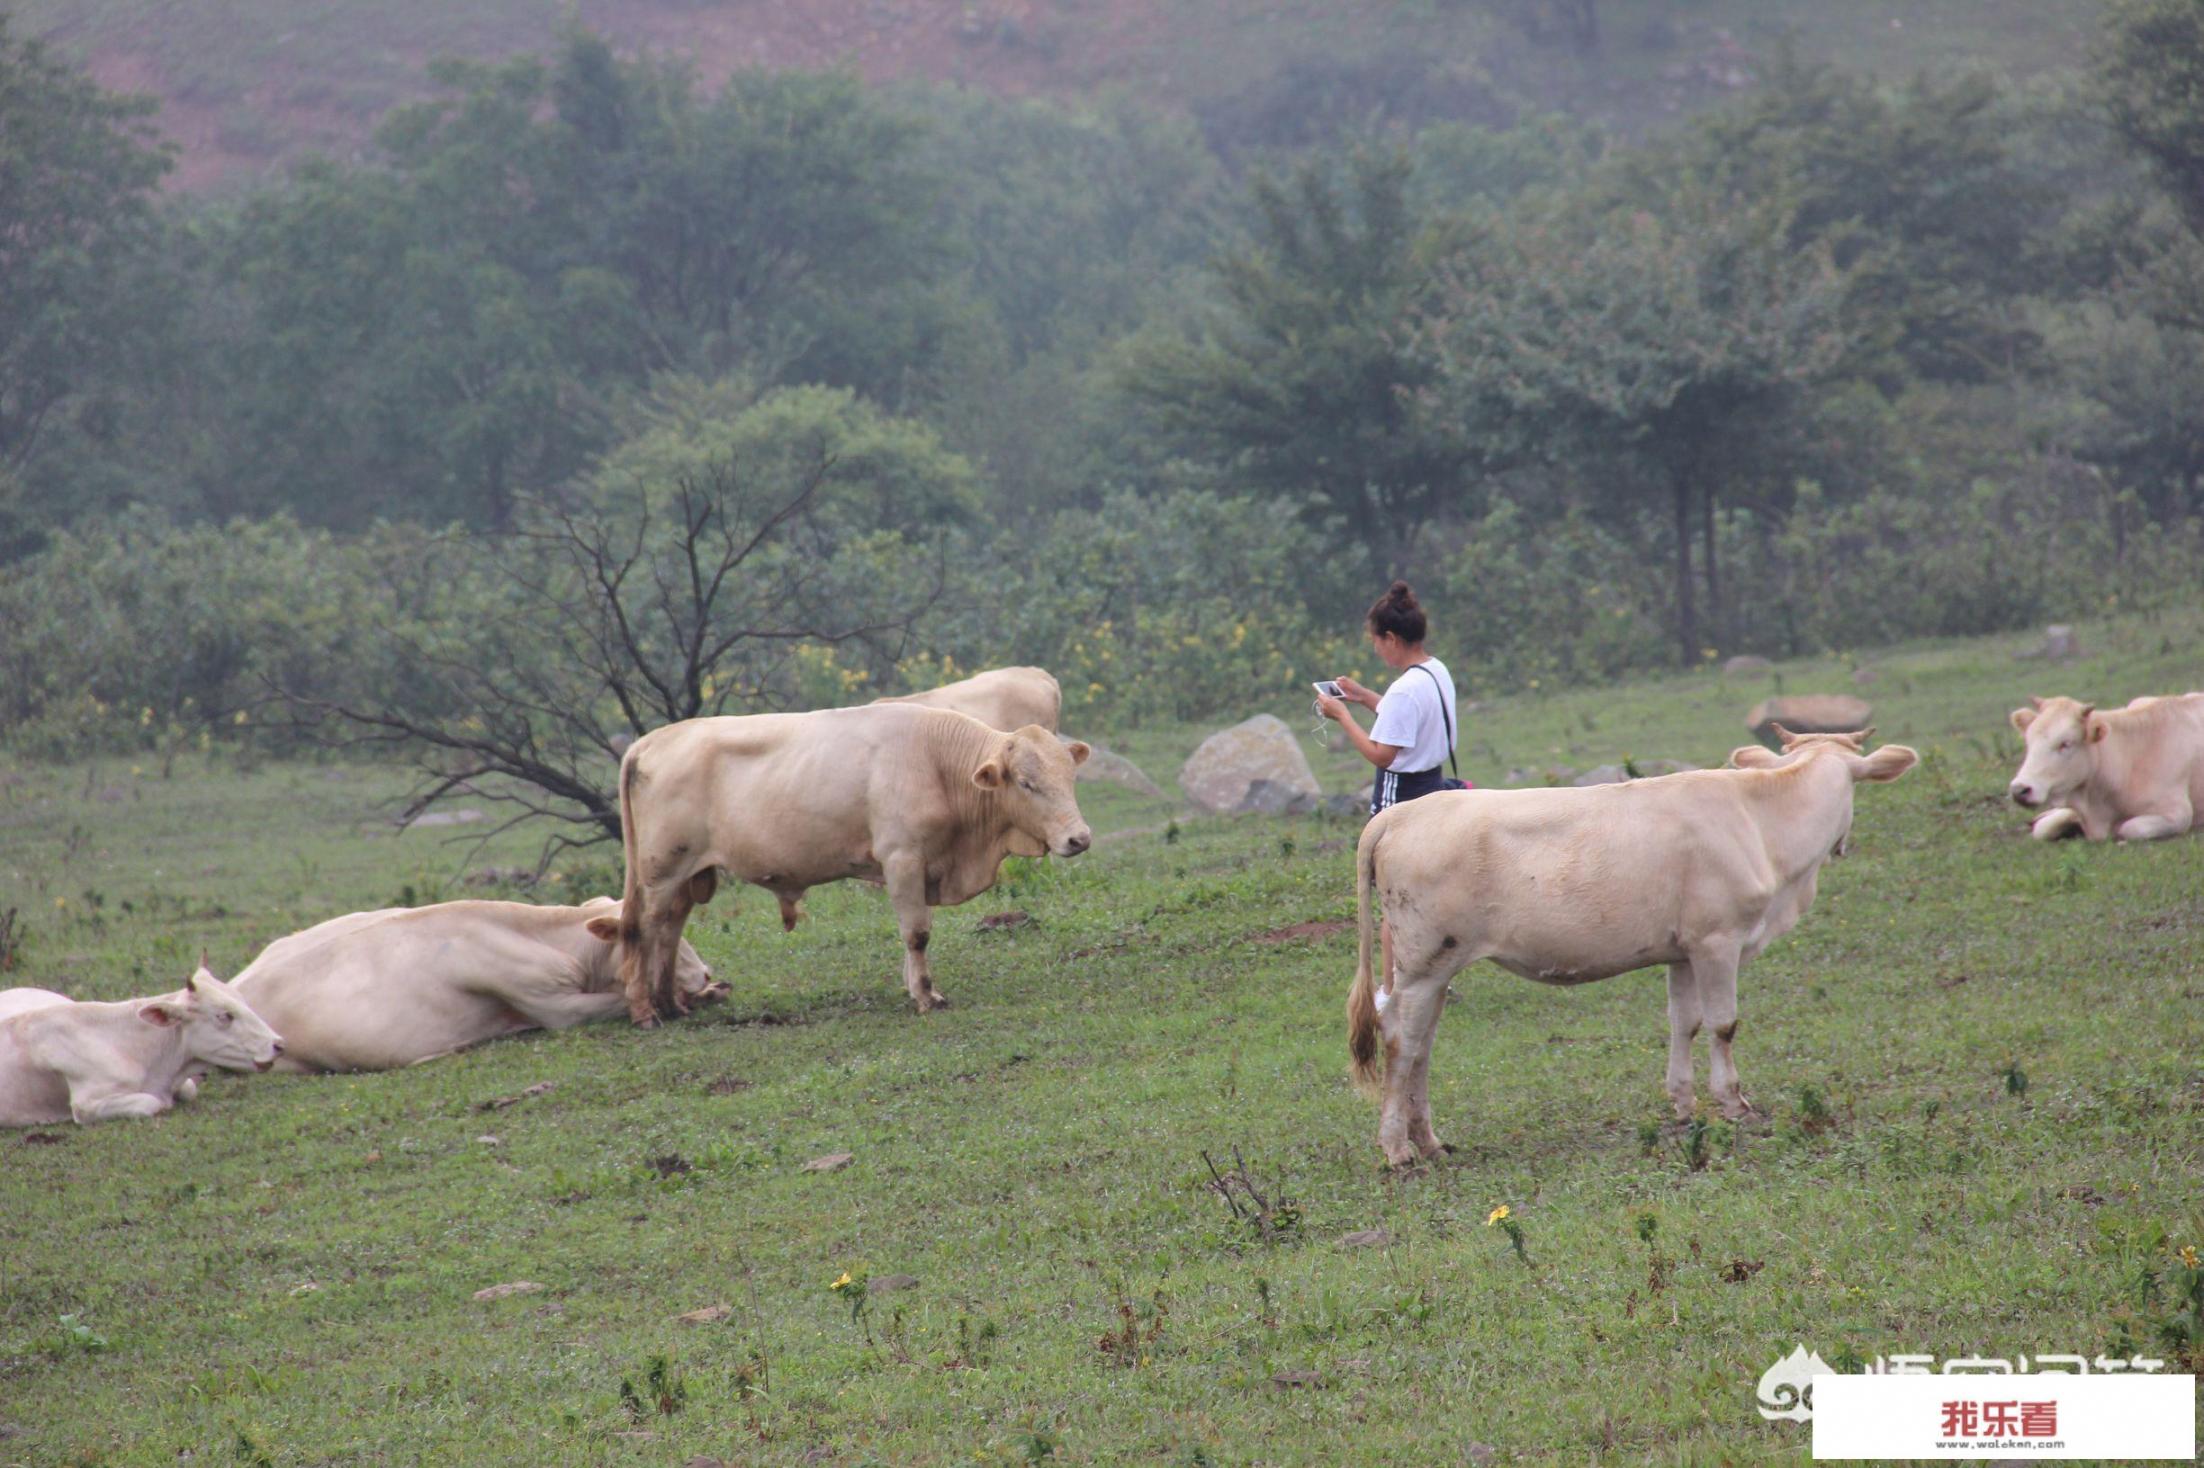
[1655, 342]
[2150, 73]
[78, 169]
[1295, 376]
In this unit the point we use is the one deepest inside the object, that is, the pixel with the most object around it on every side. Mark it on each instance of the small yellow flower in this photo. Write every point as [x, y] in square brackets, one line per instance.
[2188, 1255]
[61, 902]
[1497, 1215]
[842, 1283]
[137, 769]
[240, 717]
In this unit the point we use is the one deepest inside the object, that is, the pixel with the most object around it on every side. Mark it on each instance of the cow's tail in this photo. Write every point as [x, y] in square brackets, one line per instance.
[631, 886]
[1362, 1015]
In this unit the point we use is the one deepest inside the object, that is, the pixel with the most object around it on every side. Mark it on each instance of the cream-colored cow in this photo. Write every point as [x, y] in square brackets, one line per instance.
[62, 1060]
[1699, 871]
[2135, 773]
[378, 990]
[1001, 698]
[927, 802]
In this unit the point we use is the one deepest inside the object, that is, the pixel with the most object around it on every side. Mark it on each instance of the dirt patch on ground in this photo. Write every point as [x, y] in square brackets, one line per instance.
[1301, 932]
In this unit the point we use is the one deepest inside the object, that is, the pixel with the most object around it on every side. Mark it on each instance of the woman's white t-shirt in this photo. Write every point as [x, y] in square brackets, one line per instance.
[1409, 716]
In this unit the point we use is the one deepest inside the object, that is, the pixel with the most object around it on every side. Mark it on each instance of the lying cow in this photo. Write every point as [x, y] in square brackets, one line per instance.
[2135, 773]
[1001, 698]
[378, 990]
[1699, 871]
[927, 802]
[62, 1060]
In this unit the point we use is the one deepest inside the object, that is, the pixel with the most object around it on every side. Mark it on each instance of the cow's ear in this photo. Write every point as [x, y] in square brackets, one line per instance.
[605, 926]
[1887, 763]
[2022, 718]
[989, 776]
[1078, 751]
[160, 1015]
[2096, 725]
[2035, 701]
[1754, 757]
[1784, 738]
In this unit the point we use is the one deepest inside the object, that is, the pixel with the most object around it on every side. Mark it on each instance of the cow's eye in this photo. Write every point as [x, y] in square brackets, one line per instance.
[224, 1018]
[2065, 745]
[1029, 785]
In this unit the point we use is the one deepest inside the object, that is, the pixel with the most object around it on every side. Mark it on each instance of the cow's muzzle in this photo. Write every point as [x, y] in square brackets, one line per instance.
[1075, 843]
[2025, 796]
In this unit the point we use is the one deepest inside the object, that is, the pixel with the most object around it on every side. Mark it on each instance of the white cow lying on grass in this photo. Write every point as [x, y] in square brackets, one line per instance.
[1699, 871]
[2136, 773]
[378, 990]
[62, 1060]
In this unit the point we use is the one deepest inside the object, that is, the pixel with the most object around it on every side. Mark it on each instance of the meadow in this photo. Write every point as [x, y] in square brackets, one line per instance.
[1980, 1061]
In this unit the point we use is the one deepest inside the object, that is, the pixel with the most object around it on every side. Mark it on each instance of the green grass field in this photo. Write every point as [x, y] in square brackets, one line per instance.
[1980, 1058]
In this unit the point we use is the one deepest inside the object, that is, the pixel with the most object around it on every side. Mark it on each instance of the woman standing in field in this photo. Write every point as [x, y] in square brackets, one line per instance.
[1413, 733]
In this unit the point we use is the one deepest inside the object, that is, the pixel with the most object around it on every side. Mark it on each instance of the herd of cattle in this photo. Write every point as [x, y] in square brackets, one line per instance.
[928, 795]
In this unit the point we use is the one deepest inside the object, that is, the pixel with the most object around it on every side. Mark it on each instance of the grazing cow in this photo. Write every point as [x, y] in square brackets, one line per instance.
[378, 990]
[927, 802]
[61, 1059]
[1001, 698]
[2135, 773]
[1699, 871]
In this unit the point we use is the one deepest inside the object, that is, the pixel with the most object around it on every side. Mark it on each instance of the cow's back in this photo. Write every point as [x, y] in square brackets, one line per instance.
[1002, 698]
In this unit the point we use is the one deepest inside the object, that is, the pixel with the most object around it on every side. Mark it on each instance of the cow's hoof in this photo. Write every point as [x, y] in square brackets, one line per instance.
[645, 1021]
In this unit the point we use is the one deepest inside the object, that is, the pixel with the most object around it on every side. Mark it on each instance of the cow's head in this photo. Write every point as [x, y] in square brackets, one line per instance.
[691, 975]
[2062, 736]
[1887, 763]
[1030, 771]
[218, 1027]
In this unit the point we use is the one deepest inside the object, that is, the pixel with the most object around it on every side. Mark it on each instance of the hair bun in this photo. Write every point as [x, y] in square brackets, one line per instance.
[1399, 594]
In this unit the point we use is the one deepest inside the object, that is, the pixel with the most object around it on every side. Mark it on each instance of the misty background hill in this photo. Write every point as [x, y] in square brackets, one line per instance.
[248, 85]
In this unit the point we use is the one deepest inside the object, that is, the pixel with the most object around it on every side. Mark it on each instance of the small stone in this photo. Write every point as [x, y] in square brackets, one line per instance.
[1292, 1380]
[307, 1288]
[832, 1162]
[709, 1315]
[888, 1284]
[1482, 1455]
[996, 922]
[489, 1139]
[1365, 1238]
[1603, 775]
[1745, 663]
[516, 1287]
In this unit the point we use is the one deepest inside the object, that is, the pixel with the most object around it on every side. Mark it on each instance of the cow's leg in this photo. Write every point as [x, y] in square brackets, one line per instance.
[564, 1009]
[649, 950]
[1715, 972]
[2055, 824]
[2150, 828]
[1683, 1024]
[110, 1107]
[905, 877]
[1404, 1120]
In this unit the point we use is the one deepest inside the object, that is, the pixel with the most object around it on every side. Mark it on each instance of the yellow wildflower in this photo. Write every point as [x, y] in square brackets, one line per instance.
[240, 717]
[2188, 1255]
[1497, 1215]
[842, 1283]
[61, 902]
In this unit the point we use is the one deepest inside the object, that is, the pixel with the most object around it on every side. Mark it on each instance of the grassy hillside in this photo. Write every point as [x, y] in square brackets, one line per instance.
[249, 83]
[1979, 1057]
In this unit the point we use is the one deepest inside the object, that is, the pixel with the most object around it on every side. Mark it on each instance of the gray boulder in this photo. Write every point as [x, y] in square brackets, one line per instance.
[1109, 766]
[1223, 772]
[2058, 644]
[1746, 663]
[1809, 713]
[1602, 775]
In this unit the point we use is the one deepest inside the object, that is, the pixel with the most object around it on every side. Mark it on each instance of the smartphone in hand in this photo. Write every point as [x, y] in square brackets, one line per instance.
[1328, 688]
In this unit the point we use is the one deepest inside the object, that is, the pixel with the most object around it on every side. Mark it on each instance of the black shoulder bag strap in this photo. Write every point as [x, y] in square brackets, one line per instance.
[1444, 717]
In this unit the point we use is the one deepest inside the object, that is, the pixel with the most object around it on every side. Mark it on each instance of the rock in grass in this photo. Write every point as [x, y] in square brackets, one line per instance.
[1296, 1379]
[1365, 1238]
[888, 1284]
[832, 1162]
[709, 1315]
[1223, 773]
[1746, 663]
[516, 1287]
[1808, 713]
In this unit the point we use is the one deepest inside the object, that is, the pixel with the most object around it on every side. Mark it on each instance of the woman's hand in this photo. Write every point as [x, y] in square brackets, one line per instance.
[1331, 708]
[1356, 692]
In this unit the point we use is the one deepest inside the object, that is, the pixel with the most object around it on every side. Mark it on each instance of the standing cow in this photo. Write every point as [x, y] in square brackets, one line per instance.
[400, 985]
[1001, 698]
[1699, 871]
[927, 802]
[2136, 773]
